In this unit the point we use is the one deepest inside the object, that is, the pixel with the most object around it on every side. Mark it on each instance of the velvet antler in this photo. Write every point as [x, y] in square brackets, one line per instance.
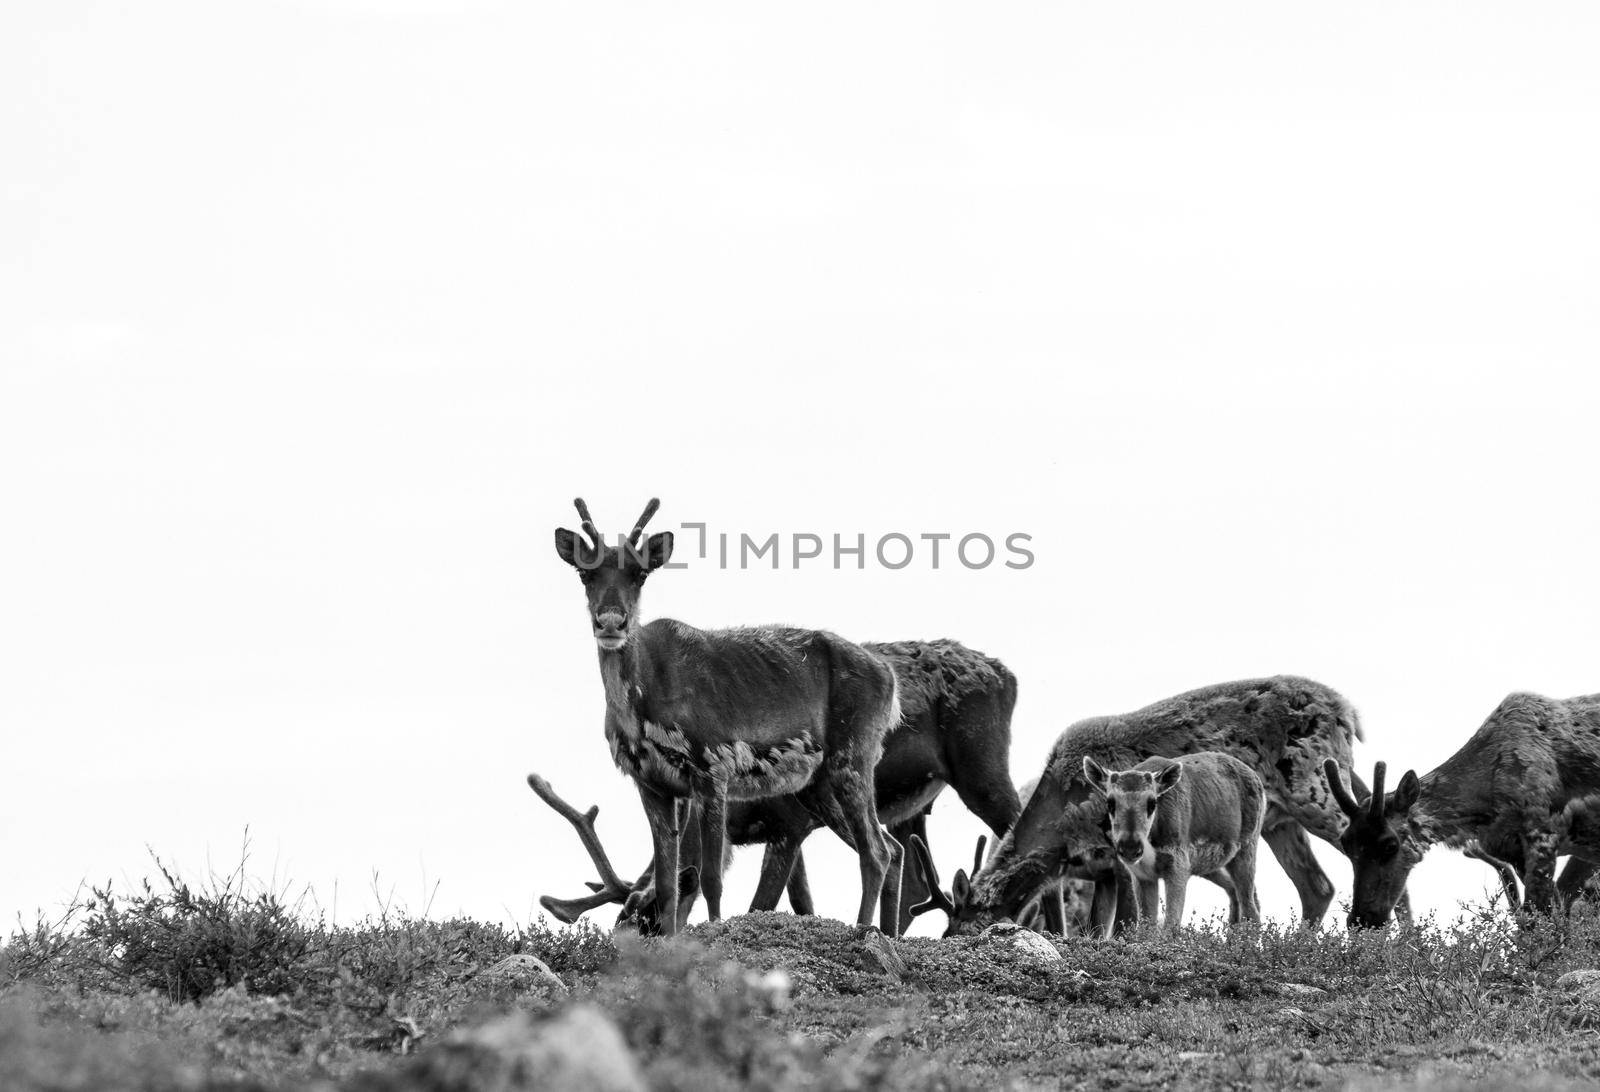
[589, 528]
[638, 528]
[1378, 773]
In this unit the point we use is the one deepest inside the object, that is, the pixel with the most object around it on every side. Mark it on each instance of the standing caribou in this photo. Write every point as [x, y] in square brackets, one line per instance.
[735, 714]
[1519, 791]
[955, 729]
[1172, 818]
[1283, 728]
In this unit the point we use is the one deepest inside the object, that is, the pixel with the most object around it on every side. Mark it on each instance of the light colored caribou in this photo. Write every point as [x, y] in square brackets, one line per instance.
[1283, 728]
[1521, 791]
[955, 729]
[1172, 818]
[734, 714]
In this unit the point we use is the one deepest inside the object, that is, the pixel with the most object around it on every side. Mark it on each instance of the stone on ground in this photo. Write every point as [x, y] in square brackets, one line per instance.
[1021, 940]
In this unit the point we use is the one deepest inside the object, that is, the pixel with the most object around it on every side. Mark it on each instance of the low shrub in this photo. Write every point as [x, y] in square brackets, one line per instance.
[191, 942]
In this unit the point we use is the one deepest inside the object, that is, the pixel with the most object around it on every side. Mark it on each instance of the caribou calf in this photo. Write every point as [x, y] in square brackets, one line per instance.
[1172, 818]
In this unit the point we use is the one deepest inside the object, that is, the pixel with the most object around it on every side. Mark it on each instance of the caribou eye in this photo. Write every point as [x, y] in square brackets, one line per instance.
[1388, 848]
[1111, 805]
[1150, 808]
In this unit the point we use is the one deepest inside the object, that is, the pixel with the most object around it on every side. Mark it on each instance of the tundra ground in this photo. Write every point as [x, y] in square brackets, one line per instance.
[223, 989]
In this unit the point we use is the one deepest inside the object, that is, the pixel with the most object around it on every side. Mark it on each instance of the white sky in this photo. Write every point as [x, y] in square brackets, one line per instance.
[1274, 325]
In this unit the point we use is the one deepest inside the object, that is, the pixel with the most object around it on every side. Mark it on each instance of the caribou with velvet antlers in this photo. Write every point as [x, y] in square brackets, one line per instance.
[1283, 728]
[954, 730]
[737, 714]
[1522, 790]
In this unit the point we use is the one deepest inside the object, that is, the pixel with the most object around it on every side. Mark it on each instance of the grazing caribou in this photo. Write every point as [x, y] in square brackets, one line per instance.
[734, 714]
[955, 729]
[1283, 728]
[1172, 818]
[1519, 791]
[1063, 908]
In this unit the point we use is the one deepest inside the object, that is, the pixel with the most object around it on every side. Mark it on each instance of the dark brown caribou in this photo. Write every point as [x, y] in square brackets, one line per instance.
[1520, 791]
[1283, 728]
[954, 729]
[736, 714]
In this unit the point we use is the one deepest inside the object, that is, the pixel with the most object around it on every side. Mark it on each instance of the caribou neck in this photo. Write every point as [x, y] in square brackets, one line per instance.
[1013, 875]
[622, 671]
[1443, 811]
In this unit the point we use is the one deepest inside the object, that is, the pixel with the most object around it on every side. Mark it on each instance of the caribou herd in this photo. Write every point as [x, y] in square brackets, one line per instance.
[761, 735]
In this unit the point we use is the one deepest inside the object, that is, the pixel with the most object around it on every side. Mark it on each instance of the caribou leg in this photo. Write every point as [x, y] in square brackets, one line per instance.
[1127, 915]
[889, 901]
[778, 862]
[1506, 874]
[1149, 902]
[1103, 916]
[713, 842]
[662, 812]
[1292, 848]
[799, 889]
[1539, 872]
[1053, 907]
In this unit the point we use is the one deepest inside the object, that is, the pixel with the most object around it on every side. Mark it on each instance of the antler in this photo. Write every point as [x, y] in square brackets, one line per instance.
[638, 528]
[1341, 795]
[977, 857]
[1378, 773]
[610, 888]
[938, 898]
[589, 529]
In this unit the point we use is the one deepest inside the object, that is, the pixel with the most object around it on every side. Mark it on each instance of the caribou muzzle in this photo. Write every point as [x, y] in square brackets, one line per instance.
[611, 629]
[1130, 849]
[1367, 921]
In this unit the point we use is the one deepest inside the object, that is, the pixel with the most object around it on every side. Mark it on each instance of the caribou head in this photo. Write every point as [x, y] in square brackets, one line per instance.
[1381, 841]
[957, 902]
[613, 575]
[1131, 801]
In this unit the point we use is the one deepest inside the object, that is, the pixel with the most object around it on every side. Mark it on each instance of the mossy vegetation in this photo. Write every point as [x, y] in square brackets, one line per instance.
[227, 986]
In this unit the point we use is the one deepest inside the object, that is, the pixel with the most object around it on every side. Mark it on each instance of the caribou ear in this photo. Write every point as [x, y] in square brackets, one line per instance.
[567, 546]
[1405, 793]
[1169, 777]
[960, 888]
[1094, 773]
[657, 551]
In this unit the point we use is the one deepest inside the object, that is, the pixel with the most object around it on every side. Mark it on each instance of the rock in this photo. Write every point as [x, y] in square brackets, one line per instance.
[526, 972]
[1197, 1055]
[1022, 940]
[1584, 980]
[579, 1051]
[774, 987]
[877, 953]
[1297, 989]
